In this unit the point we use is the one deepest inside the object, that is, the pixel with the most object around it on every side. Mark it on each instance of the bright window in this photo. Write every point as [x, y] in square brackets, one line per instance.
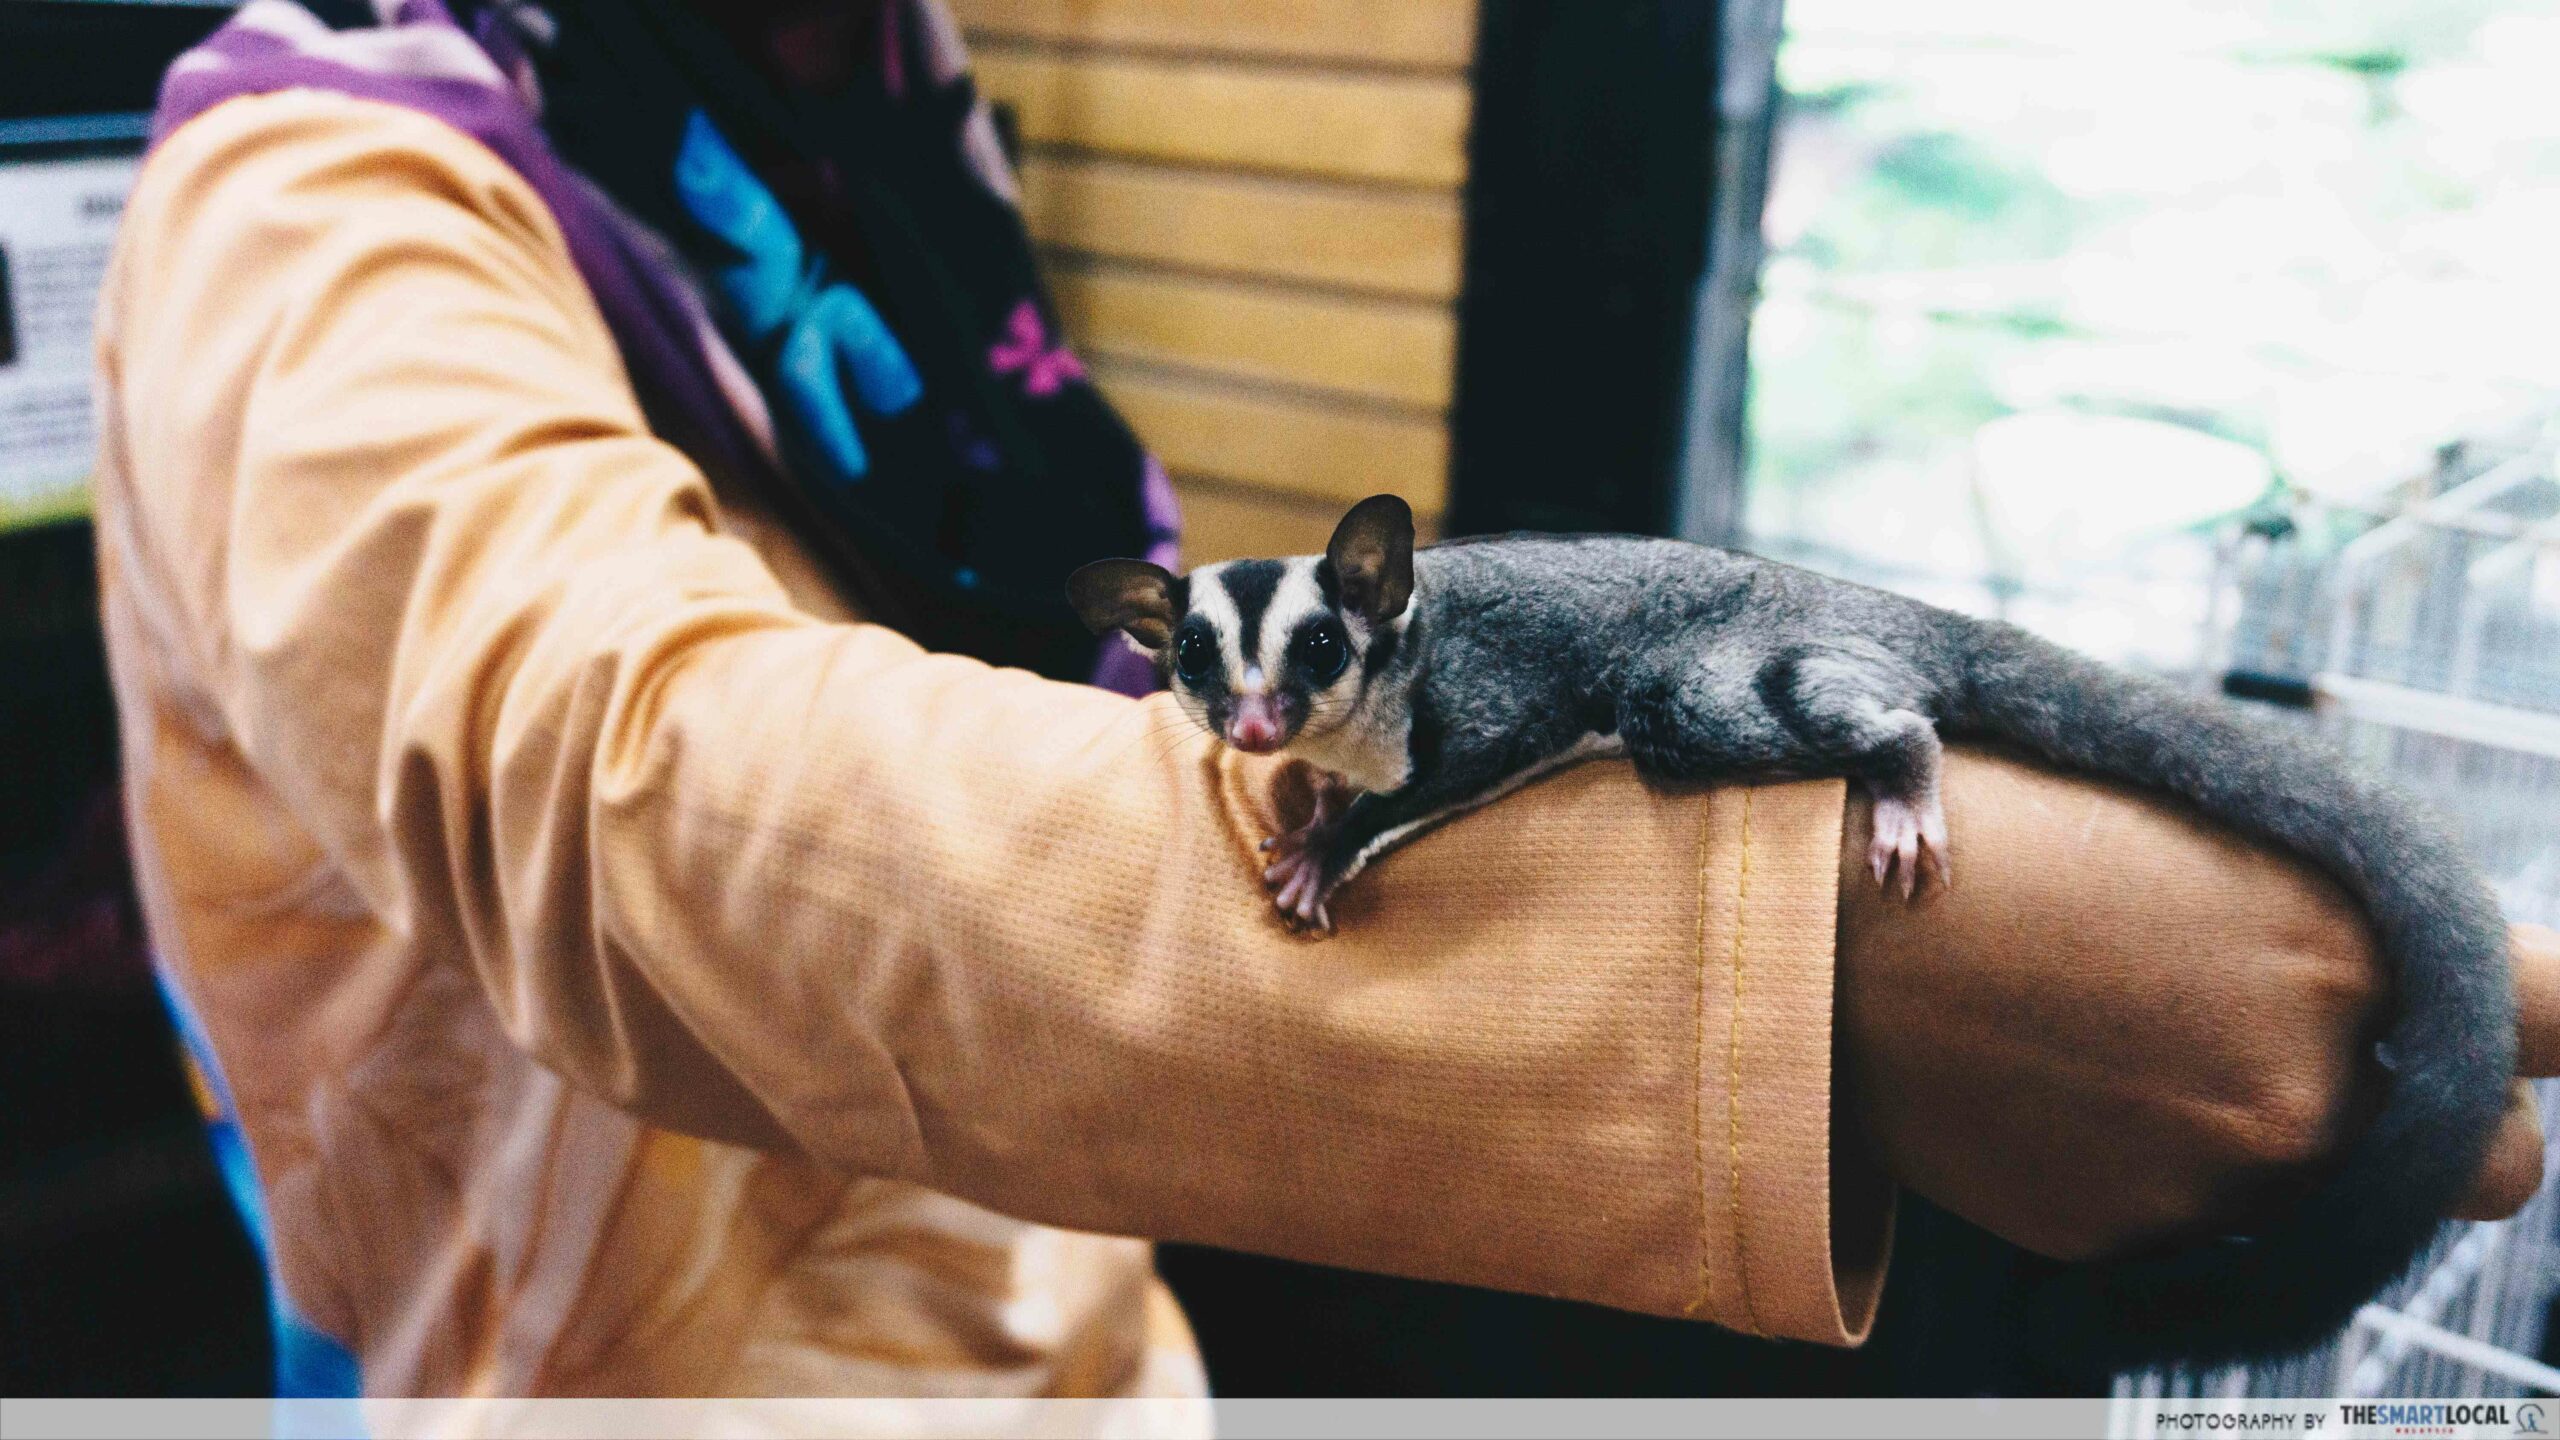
[2052, 289]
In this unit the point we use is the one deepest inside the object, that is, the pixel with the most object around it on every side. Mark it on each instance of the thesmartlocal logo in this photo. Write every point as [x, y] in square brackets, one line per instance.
[2445, 1417]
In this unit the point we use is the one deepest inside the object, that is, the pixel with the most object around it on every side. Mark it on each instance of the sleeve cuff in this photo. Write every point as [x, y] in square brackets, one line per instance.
[1795, 1234]
[1702, 923]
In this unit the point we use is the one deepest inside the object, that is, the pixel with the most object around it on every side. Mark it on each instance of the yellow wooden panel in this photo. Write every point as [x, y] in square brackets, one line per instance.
[1226, 522]
[1396, 128]
[1399, 243]
[1394, 350]
[1329, 453]
[1432, 34]
[1221, 522]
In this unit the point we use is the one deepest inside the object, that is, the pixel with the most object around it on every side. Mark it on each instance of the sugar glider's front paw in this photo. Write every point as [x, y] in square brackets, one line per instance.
[1296, 875]
[1910, 837]
[1301, 890]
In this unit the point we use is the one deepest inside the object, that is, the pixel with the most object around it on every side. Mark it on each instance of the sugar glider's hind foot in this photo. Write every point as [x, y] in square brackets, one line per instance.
[1910, 841]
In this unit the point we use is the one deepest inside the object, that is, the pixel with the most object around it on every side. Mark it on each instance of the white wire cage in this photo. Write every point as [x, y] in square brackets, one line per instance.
[2424, 638]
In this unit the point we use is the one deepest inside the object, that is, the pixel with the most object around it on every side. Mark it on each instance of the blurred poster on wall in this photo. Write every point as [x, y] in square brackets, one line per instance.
[58, 207]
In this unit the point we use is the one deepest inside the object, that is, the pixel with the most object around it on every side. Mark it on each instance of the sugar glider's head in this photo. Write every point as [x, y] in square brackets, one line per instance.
[1261, 652]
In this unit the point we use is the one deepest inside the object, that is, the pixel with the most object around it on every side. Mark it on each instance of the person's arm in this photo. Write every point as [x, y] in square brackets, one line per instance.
[802, 885]
[2123, 1023]
[377, 474]
[2513, 1169]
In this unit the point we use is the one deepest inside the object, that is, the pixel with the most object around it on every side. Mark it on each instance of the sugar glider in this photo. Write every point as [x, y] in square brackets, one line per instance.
[1425, 683]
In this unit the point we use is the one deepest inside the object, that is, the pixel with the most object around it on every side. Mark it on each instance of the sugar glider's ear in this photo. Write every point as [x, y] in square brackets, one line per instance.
[1372, 557]
[1129, 595]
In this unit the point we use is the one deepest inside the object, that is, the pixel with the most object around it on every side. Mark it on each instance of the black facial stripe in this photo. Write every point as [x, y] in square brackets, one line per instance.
[1180, 591]
[1251, 583]
[1328, 584]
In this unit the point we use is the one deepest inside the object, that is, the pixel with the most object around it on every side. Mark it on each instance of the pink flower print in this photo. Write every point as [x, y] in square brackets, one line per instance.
[1044, 367]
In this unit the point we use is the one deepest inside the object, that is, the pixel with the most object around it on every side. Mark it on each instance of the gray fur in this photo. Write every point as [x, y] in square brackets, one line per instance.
[1519, 654]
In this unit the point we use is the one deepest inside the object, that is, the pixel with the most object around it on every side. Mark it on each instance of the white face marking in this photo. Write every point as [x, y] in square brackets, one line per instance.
[1292, 601]
[1335, 707]
[1210, 600]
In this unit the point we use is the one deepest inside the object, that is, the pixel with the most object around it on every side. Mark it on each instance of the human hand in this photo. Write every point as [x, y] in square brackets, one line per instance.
[2122, 1024]
[2512, 1171]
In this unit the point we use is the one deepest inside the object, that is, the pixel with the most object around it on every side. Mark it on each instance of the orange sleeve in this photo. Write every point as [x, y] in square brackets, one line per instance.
[376, 466]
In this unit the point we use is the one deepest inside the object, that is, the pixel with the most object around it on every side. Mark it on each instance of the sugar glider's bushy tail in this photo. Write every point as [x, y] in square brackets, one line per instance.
[2449, 1044]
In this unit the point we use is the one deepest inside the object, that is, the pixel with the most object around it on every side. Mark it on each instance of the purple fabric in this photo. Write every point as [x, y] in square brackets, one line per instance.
[656, 325]
[424, 61]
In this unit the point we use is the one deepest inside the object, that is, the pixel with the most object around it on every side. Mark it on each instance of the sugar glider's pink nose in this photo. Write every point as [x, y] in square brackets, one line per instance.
[1254, 728]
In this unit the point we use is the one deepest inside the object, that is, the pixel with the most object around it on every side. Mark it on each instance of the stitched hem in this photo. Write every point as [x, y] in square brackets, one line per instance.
[1733, 1075]
[1704, 1300]
[1770, 892]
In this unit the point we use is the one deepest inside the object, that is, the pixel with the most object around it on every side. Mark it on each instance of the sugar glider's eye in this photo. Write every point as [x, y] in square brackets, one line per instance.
[1195, 656]
[1321, 651]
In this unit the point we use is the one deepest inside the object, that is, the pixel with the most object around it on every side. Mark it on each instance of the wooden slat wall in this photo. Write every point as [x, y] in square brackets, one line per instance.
[1251, 213]
[1311, 233]
[1391, 129]
[1287, 335]
[1437, 35]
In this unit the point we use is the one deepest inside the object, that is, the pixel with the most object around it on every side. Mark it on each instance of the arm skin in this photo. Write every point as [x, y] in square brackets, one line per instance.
[2513, 1169]
[2122, 1023]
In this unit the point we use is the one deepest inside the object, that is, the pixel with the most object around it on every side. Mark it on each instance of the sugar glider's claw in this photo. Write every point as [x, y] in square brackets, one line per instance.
[1910, 840]
[1300, 893]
